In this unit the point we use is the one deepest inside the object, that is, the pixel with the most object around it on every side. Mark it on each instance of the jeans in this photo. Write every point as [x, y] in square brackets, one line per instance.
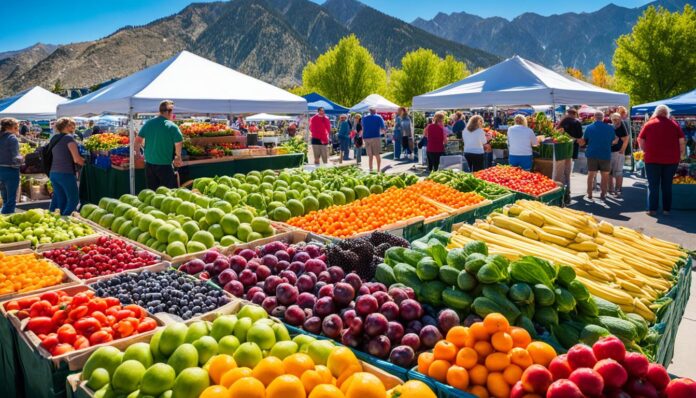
[160, 176]
[66, 196]
[358, 154]
[475, 161]
[433, 160]
[489, 160]
[523, 162]
[345, 147]
[9, 184]
[660, 177]
[397, 144]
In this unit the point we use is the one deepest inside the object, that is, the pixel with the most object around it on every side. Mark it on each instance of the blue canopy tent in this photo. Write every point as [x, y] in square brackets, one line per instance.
[681, 105]
[315, 101]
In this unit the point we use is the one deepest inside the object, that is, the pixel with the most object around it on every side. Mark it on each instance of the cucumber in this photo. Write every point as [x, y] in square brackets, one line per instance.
[449, 275]
[456, 299]
[543, 295]
[483, 306]
[385, 274]
[466, 281]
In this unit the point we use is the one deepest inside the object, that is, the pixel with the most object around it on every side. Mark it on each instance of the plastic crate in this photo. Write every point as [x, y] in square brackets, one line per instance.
[668, 324]
[484, 211]
[552, 198]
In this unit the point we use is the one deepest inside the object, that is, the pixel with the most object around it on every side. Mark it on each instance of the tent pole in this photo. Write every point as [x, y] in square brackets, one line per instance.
[131, 141]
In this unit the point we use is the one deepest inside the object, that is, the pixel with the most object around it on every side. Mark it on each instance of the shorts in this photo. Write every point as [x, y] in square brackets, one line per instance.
[617, 164]
[603, 165]
[321, 152]
[373, 146]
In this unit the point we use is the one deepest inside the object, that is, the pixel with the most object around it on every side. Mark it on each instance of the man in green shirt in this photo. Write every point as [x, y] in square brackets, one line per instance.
[163, 141]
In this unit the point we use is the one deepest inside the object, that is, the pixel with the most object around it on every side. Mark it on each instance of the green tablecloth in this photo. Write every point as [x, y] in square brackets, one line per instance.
[96, 183]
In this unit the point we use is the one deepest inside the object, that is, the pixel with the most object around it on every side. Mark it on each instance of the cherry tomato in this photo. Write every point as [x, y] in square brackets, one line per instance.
[80, 299]
[112, 301]
[26, 302]
[101, 318]
[123, 314]
[137, 311]
[40, 325]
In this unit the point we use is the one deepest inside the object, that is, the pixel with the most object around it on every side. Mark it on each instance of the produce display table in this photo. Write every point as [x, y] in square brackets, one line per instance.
[669, 322]
[554, 197]
[96, 183]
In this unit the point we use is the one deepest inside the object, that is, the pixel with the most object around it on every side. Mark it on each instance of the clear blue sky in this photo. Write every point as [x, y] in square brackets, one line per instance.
[26, 22]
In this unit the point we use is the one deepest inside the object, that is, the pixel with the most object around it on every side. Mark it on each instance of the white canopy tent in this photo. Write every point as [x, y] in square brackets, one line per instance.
[195, 84]
[516, 82]
[259, 117]
[32, 104]
[381, 104]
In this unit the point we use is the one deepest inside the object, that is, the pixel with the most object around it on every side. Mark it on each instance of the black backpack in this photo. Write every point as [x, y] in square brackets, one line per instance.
[46, 153]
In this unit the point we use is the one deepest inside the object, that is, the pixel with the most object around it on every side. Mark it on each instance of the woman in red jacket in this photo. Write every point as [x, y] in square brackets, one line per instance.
[437, 138]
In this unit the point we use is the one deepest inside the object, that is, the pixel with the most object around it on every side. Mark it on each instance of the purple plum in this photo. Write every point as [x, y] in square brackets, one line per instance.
[248, 277]
[403, 356]
[210, 256]
[289, 275]
[271, 283]
[382, 297]
[258, 298]
[305, 283]
[314, 251]
[350, 339]
[294, 315]
[282, 255]
[306, 300]
[227, 276]
[315, 265]
[312, 325]
[365, 305]
[343, 294]
[379, 346]
[336, 273]
[412, 340]
[354, 280]
[410, 310]
[195, 266]
[269, 303]
[324, 307]
[326, 290]
[279, 311]
[235, 288]
[248, 254]
[429, 336]
[331, 326]
[286, 294]
[301, 257]
[395, 332]
[375, 324]
[391, 310]
[238, 263]
[447, 319]
[281, 266]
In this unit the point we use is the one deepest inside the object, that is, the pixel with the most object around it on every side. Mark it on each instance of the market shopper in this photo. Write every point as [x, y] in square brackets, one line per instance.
[521, 140]
[397, 135]
[320, 130]
[474, 139]
[373, 128]
[407, 133]
[437, 138]
[357, 137]
[573, 127]
[10, 160]
[64, 167]
[344, 138]
[163, 141]
[664, 144]
[599, 137]
[618, 156]
[459, 125]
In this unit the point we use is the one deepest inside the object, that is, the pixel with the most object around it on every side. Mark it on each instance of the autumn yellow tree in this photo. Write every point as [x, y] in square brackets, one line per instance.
[601, 77]
[576, 73]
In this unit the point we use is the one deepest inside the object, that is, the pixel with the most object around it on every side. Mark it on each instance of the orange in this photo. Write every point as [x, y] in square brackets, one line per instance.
[502, 341]
[512, 374]
[310, 379]
[497, 361]
[298, 363]
[497, 386]
[215, 392]
[479, 391]
[445, 350]
[483, 348]
[520, 357]
[438, 370]
[285, 386]
[363, 385]
[478, 375]
[458, 377]
[478, 331]
[495, 323]
[219, 365]
[520, 337]
[541, 352]
[467, 358]
[325, 373]
[424, 361]
[325, 391]
[458, 336]
[247, 387]
[340, 359]
[268, 369]
[233, 375]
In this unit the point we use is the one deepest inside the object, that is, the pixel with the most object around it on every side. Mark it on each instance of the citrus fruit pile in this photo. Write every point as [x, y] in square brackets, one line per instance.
[366, 214]
[517, 179]
[445, 194]
[485, 359]
[25, 272]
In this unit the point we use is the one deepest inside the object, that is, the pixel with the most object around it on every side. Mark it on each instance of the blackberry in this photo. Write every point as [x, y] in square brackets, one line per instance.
[345, 259]
[378, 237]
[381, 249]
[367, 270]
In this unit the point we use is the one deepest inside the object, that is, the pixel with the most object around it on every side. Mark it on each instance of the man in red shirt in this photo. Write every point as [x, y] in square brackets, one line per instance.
[320, 129]
[664, 144]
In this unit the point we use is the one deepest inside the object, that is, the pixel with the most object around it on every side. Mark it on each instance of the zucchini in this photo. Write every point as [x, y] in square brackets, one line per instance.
[640, 323]
[474, 262]
[607, 308]
[578, 290]
[521, 293]
[431, 293]
[466, 281]
[456, 299]
[565, 302]
[483, 306]
[497, 293]
[587, 307]
[543, 295]
[385, 274]
[449, 275]
[620, 328]
[591, 333]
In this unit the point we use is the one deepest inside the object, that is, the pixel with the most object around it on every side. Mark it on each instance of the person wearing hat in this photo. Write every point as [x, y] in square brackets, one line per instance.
[344, 138]
[373, 128]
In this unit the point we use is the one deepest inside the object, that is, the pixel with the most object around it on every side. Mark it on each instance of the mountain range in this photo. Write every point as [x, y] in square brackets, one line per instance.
[269, 39]
[578, 40]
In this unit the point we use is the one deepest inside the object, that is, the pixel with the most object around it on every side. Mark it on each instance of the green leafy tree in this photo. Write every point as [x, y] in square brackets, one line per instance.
[656, 60]
[450, 70]
[57, 87]
[346, 73]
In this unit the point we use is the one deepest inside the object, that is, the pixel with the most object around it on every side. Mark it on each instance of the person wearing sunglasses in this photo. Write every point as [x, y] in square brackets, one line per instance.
[162, 141]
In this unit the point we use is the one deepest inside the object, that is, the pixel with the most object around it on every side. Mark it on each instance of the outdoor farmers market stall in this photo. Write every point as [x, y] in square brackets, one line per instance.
[316, 101]
[195, 84]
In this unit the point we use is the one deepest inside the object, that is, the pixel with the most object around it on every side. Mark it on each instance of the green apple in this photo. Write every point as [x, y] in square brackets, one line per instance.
[284, 349]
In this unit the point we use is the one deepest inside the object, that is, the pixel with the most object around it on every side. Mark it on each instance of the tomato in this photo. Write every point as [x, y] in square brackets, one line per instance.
[81, 342]
[12, 305]
[40, 325]
[103, 320]
[87, 325]
[67, 334]
[113, 310]
[137, 311]
[80, 299]
[26, 302]
[124, 328]
[61, 349]
[21, 314]
[147, 324]
[112, 301]
[41, 308]
[50, 341]
[78, 312]
[51, 297]
[59, 317]
[97, 304]
[123, 314]
[100, 337]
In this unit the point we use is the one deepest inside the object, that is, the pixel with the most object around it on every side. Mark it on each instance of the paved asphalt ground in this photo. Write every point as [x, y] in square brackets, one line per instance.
[679, 227]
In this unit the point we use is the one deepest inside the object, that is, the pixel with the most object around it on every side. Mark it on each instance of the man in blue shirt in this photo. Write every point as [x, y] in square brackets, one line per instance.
[373, 127]
[599, 137]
